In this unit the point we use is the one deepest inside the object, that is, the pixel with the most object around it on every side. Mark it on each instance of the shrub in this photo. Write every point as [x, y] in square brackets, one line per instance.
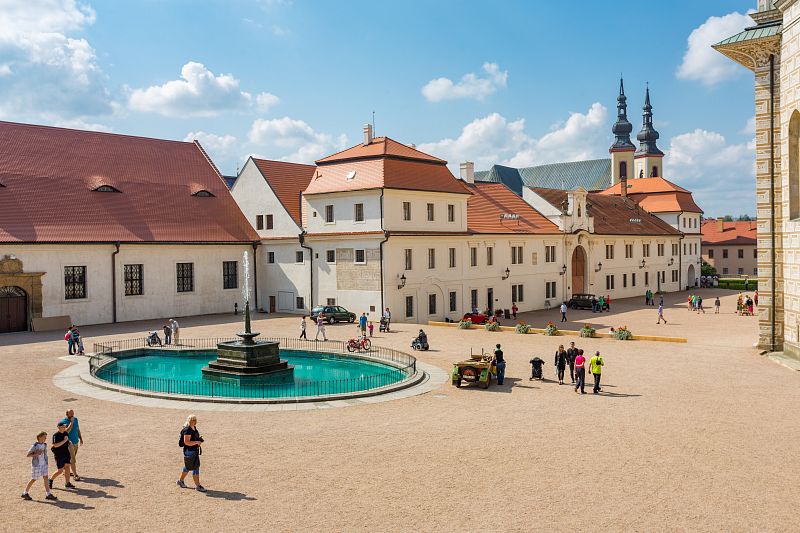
[492, 326]
[523, 328]
[587, 331]
[623, 333]
[550, 329]
[465, 324]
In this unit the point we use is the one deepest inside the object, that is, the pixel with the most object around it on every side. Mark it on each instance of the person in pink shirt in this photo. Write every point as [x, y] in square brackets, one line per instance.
[580, 372]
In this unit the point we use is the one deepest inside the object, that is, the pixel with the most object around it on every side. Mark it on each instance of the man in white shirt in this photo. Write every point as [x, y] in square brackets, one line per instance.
[563, 311]
[173, 325]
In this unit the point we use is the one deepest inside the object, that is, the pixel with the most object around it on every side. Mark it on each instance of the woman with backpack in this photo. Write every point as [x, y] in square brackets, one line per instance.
[191, 441]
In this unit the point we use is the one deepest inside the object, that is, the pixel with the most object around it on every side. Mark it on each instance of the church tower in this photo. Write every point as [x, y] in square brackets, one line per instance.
[622, 149]
[648, 157]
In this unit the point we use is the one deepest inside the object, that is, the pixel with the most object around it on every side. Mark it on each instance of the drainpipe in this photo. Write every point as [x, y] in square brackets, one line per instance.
[302, 237]
[385, 238]
[114, 282]
[680, 253]
[255, 274]
[772, 194]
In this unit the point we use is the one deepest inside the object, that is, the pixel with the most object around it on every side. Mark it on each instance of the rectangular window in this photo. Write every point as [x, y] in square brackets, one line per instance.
[724, 253]
[660, 250]
[473, 299]
[740, 271]
[406, 210]
[646, 279]
[725, 270]
[230, 274]
[134, 280]
[329, 214]
[549, 254]
[452, 301]
[645, 250]
[409, 306]
[331, 301]
[684, 249]
[675, 249]
[269, 221]
[755, 271]
[489, 256]
[516, 255]
[513, 293]
[299, 303]
[610, 282]
[755, 253]
[609, 251]
[674, 276]
[270, 257]
[430, 213]
[358, 212]
[259, 221]
[628, 251]
[517, 293]
[431, 304]
[695, 248]
[473, 256]
[74, 282]
[360, 257]
[684, 222]
[408, 258]
[624, 280]
[330, 256]
[185, 277]
[741, 253]
[452, 253]
[633, 279]
[451, 213]
[550, 289]
[711, 253]
[299, 256]
[431, 257]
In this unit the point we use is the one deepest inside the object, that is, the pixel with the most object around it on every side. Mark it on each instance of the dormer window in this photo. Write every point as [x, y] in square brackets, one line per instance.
[106, 188]
[203, 194]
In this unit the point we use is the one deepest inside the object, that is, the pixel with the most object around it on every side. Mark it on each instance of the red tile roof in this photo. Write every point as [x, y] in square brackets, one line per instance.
[613, 215]
[720, 232]
[288, 181]
[50, 173]
[490, 201]
[380, 147]
[657, 195]
[384, 172]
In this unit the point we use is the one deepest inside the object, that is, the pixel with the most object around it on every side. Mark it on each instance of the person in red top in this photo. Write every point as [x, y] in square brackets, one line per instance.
[580, 371]
[608, 303]
[514, 310]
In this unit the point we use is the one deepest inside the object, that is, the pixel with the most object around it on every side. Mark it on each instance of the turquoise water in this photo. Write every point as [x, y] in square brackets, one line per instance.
[314, 374]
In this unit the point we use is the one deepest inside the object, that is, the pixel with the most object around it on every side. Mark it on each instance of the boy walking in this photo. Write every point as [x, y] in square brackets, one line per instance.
[39, 466]
[661, 314]
[716, 306]
[371, 327]
[60, 449]
[303, 328]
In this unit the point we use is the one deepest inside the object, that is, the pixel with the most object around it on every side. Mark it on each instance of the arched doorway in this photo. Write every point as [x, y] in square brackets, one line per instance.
[690, 277]
[13, 309]
[578, 270]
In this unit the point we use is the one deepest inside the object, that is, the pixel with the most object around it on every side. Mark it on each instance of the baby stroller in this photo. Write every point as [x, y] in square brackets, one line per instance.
[384, 325]
[420, 342]
[536, 368]
[153, 339]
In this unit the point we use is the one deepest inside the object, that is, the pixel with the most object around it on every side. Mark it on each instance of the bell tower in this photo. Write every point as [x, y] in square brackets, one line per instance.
[622, 149]
[647, 159]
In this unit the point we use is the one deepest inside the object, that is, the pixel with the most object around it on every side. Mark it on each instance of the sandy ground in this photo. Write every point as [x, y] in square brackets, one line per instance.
[702, 436]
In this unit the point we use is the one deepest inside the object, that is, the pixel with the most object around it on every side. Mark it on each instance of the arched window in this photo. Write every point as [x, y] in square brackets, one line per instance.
[794, 165]
[623, 169]
[106, 188]
[655, 171]
[203, 194]
[641, 173]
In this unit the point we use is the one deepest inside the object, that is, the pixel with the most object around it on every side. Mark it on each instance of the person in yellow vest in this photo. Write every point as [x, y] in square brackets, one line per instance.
[596, 364]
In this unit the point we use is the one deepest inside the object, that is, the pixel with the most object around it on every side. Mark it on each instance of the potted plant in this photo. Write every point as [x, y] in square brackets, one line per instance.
[523, 328]
[465, 324]
[587, 331]
[623, 333]
[550, 329]
[492, 325]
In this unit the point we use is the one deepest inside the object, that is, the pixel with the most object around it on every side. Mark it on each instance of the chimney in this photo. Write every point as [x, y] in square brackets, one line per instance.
[720, 224]
[467, 172]
[367, 134]
[623, 186]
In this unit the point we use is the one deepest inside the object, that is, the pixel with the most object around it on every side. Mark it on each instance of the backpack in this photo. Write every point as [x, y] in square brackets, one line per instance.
[180, 440]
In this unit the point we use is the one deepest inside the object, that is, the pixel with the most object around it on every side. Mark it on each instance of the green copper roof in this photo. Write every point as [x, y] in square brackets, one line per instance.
[752, 34]
[592, 175]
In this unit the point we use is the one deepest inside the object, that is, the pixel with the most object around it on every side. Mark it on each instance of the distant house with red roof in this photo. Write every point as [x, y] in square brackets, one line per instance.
[731, 247]
[99, 227]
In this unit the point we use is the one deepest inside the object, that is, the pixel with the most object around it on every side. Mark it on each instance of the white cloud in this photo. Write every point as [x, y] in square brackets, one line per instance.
[703, 63]
[81, 124]
[470, 86]
[279, 31]
[750, 127]
[721, 175]
[198, 93]
[292, 140]
[221, 148]
[494, 139]
[49, 74]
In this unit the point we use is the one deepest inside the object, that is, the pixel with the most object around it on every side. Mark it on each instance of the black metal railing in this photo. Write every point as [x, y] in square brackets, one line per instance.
[102, 366]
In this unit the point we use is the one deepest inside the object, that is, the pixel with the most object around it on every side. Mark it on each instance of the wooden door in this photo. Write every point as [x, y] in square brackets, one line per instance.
[271, 304]
[13, 309]
[490, 299]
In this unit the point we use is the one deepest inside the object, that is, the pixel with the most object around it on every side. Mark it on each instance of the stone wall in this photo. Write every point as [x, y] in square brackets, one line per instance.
[351, 276]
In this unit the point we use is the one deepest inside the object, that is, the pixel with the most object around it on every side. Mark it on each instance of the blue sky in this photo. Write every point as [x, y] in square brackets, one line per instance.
[495, 82]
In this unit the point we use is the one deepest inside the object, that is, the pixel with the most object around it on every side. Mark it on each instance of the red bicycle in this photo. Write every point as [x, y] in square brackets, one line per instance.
[361, 343]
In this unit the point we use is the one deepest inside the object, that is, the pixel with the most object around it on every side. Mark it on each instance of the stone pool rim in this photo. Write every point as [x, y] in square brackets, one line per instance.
[415, 377]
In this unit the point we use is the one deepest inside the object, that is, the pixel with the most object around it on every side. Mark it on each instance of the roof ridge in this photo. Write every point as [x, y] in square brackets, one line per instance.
[279, 161]
[78, 130]
[208, 159]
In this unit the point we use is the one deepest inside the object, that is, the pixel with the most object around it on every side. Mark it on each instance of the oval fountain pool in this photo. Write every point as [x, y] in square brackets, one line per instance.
[316, 374]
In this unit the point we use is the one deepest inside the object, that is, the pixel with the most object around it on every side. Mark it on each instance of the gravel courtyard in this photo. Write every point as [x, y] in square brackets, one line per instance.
[701, 436]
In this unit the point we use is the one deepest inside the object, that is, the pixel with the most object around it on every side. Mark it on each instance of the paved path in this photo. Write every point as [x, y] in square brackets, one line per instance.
[700, 436]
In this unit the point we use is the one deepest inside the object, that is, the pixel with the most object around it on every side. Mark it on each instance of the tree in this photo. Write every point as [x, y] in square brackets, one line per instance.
[707, 270]
[744, 218]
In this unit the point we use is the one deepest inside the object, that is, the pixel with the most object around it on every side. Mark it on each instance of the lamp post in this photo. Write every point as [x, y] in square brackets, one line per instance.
[563, 270]
[642, 265]
[599, 266]
[507, 274]
[402, 282]
[671, 261]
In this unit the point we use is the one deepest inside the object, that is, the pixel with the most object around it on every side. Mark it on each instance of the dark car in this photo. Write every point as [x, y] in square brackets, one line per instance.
[476, 318]
[333, 314]
[581, 301]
